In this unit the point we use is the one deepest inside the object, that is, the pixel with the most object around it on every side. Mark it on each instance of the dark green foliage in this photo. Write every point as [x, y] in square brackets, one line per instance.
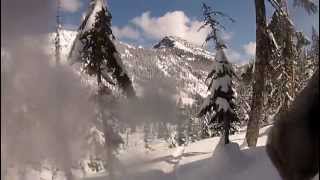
[100, 55]
[211, 19]
[247, 75]
[96, 165]
[287, 72]
[280, 81]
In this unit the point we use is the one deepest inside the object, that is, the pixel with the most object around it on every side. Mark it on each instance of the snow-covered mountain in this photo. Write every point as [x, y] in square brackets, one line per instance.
[183, 45]
[173, 63]
[177, 65]
[173, 66]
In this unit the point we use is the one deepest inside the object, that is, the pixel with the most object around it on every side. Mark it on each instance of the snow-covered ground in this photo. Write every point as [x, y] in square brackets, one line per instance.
[203, 160]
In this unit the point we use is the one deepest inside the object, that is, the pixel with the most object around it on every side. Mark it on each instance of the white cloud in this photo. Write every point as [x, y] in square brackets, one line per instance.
[234, 56]
[250, 48]
[226, 36]
[126, 32]
[175, 23]
[70, 5]
[172, 23]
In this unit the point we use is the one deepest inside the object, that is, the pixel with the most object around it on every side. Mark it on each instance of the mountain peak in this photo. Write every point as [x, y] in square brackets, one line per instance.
[173, 42]
[170, 42]
[166, 42]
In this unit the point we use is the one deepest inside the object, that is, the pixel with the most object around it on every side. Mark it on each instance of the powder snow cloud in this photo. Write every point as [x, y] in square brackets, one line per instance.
[250, 48]
[126, 32]
[70, 5]
[235, 56]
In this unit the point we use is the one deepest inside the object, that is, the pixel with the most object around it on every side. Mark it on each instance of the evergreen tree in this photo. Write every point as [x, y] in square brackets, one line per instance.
[163, 131]
[267, 49]
[303, 64]
[286, 72]
[219, 106]
[147, 136]
[315, 48]
[181, 124]
[193, 129]
[95, 50]
[281, 69]
[98, 53]
[243, 85]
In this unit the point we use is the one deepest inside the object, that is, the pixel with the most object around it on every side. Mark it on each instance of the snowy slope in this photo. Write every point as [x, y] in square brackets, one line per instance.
[183, 71]
[187, 77]
[207, 160]
[203, 160]
[179, 64]
[66, 39]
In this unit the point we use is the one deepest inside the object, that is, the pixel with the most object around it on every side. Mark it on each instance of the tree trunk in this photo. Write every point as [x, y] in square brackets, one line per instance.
[262, 54]
[68, 174]
[99, 79]
[109, 148]
[22, 172]
[226, 121]
[106, 128]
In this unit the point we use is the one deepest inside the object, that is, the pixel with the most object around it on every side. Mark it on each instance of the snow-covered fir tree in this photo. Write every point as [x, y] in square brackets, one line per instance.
[282, 81]
[193, 124]
[98, 53]
[314, 53]
[243, 86]
[219, 106]
[181, 135]
[95, 50]
[287, 69]
[147, 136]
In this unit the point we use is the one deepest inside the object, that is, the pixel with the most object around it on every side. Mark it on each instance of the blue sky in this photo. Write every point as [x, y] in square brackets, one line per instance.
[132, 24]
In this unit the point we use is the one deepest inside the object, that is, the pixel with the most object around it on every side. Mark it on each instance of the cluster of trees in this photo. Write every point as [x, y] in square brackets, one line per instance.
[283, 64]
[275, 62]
[279, 68]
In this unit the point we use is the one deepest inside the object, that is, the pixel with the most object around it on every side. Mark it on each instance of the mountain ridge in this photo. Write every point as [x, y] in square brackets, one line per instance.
[182, 63]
